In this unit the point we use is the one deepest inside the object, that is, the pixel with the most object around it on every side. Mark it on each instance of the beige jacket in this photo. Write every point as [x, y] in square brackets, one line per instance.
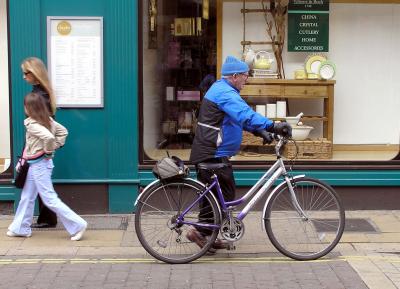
[40, 140]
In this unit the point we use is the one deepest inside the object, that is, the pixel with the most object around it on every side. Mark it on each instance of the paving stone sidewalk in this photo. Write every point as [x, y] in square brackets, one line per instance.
[335, 275]
[373, 255]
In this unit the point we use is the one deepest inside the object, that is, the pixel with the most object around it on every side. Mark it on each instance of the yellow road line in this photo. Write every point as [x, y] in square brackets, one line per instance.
[233, 260]
[29, 260]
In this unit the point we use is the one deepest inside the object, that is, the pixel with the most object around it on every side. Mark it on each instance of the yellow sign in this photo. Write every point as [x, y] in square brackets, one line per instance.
[64, 28]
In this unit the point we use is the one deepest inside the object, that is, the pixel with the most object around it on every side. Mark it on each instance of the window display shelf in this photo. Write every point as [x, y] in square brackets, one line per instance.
[257, 89]
[305, 117]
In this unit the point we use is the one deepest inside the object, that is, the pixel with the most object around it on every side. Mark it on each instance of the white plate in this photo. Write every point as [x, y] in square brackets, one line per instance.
[313, 62]
[327, 70]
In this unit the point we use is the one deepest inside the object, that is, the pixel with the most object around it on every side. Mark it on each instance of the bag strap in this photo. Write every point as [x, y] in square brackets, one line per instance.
[179, 162]
[22, 152]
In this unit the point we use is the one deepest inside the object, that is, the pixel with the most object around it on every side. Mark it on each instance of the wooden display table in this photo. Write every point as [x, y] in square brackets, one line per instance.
[258, 88]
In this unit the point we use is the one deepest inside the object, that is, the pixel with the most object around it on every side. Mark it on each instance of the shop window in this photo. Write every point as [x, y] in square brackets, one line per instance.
[5, 155]
[179, 50]
[178, 59]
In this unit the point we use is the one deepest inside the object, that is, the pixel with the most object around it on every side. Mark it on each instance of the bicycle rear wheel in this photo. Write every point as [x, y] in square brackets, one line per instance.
[309, 237]
[157, 225]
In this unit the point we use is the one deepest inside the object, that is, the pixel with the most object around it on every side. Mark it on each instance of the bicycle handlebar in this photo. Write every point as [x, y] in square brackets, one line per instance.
[268, 137]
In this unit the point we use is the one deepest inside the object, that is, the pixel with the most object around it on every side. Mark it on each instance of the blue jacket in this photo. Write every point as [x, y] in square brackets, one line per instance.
[222, 118]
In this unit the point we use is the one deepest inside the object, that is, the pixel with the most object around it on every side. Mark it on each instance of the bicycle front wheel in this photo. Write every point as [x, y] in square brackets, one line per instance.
[310, 235]
[159, 229]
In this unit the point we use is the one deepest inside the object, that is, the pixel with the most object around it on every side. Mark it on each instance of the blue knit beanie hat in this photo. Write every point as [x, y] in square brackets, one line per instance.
[233, 65]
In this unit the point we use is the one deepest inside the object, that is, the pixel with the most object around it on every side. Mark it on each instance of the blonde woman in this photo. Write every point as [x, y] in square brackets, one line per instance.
[35, 73]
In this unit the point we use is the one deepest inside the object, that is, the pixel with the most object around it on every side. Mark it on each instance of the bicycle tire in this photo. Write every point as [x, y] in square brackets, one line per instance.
[299, 238]
[155, 218]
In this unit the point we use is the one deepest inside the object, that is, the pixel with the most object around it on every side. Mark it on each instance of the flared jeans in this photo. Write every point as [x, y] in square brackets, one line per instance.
[38, 181]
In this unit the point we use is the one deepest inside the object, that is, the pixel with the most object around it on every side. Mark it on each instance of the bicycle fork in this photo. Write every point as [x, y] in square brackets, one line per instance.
[294, 200]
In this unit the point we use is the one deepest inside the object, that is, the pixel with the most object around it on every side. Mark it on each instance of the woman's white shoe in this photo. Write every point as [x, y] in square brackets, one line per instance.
[79, 235]
[12, 234]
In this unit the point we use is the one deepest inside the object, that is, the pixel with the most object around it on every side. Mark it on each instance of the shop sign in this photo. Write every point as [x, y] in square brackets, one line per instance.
[308, 26]
[75, 60]
[309, 5]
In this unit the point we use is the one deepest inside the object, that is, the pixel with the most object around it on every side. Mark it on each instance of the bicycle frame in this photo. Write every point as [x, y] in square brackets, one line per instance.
[175, 216]
[256, 192]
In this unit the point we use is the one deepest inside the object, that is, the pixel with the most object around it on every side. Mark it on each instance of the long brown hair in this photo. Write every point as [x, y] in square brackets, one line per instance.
[36, 66]
[36, 108]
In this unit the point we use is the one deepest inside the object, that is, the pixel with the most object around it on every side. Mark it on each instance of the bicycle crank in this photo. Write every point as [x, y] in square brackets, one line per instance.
[232, 229]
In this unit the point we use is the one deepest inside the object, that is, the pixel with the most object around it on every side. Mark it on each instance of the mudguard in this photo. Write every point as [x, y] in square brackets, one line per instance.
[155, 182]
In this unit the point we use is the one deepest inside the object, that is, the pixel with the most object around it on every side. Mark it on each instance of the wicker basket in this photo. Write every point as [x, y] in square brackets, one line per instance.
[250, 139]
[309, 149]
[254, 144]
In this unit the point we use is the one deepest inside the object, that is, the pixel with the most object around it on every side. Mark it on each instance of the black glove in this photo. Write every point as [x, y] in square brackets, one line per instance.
[265, 135]
[281, 128]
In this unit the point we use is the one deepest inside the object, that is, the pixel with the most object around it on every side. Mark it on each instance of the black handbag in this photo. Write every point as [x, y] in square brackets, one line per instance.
[22, 168]
[22, 172]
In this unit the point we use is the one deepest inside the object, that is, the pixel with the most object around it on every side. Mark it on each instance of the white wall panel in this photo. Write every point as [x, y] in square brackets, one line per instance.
[364, 44]
[4, 96]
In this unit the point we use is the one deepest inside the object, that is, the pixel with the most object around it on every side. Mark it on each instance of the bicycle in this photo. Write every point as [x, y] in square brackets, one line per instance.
[303, 216]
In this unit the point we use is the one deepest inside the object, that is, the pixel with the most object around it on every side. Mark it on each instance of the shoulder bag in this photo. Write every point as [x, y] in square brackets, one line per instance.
[21, 168]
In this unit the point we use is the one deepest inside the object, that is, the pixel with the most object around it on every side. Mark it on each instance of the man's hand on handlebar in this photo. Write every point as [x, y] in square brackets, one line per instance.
[278, 128]
[282, 128]
[265, 135]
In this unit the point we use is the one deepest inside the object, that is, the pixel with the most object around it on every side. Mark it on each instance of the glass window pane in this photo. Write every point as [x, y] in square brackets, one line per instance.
[179, 52]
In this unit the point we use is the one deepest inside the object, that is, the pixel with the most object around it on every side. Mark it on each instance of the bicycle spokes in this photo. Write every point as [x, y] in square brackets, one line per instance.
[163, 230]
[307, 236]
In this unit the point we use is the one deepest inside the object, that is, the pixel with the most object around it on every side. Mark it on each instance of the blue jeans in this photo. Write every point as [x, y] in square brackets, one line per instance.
[39, 182]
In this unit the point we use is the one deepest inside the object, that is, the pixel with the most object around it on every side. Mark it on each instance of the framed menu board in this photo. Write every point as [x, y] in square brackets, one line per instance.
[75, 60]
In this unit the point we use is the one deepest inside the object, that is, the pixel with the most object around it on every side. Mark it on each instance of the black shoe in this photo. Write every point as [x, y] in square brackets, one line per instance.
[196, 237]
[220, 244]
[43, 225]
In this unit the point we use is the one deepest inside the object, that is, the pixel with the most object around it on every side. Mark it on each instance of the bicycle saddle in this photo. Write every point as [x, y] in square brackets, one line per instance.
[212, 166]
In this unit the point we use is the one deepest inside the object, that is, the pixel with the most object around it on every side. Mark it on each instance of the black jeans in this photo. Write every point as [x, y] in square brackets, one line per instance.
[46, 215]
[228, 188]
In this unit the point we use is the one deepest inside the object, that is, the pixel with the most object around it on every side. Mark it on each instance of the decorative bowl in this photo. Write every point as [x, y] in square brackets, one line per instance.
[292, 120]
[300, 74]
[301, 132]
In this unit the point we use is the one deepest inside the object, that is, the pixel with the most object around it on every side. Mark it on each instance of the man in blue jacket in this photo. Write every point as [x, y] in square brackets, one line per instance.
[222, 118]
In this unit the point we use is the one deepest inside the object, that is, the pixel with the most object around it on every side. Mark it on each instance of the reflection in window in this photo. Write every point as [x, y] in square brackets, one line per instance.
[179, 59]
[179, 53]
[4, 95]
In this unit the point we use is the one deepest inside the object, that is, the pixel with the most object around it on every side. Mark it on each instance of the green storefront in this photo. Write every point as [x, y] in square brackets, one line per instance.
[111, 149]
[102, 149]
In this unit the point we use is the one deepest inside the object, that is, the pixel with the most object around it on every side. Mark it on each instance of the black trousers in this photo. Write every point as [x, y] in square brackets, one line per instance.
[228, 188]
[46, 215]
